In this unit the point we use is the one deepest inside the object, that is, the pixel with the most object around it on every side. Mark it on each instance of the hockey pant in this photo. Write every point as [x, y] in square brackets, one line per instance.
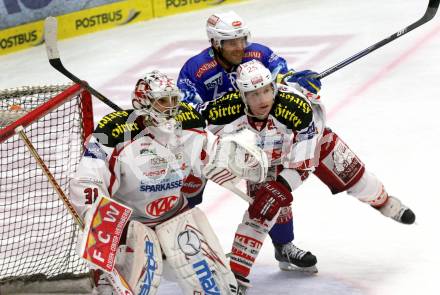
[340, 169]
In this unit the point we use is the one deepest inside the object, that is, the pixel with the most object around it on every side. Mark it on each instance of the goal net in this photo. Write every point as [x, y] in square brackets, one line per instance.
[38, 235]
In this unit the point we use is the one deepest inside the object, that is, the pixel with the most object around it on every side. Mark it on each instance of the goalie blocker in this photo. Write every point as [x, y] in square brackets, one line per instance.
[104, 224]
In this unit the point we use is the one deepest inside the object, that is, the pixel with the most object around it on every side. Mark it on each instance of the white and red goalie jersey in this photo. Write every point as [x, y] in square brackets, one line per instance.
[139, 167]
[148, 169]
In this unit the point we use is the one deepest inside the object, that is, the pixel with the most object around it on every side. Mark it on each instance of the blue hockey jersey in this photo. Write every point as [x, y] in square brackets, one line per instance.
[203, 79]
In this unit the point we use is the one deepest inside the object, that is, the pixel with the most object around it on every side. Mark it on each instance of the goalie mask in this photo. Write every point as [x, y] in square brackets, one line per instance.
[226, 26]
[251, 76]
[157, 97]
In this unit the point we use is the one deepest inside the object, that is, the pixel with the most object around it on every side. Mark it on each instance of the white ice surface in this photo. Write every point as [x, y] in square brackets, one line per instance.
[385, 106]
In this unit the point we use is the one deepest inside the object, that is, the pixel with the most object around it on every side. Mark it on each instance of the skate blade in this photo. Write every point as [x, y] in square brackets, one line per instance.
[292, 267]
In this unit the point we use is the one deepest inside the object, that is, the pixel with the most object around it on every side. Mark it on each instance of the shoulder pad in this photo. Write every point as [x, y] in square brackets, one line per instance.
[292, 110]
[189, 117]
[111, 128]
[224, 110]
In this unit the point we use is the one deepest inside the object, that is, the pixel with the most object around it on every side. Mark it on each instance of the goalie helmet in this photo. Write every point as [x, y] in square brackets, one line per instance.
[225, 26]
[157, 97]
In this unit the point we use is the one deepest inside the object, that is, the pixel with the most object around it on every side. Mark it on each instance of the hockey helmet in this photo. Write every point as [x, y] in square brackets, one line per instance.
[226, 26]
[253, 75]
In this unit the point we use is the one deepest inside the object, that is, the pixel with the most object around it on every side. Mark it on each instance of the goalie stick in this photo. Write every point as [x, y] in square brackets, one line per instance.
[117, 280]
[50, 38]
[429, 14]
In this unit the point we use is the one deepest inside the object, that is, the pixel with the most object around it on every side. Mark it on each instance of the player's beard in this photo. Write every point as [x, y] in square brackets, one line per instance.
[234, 57]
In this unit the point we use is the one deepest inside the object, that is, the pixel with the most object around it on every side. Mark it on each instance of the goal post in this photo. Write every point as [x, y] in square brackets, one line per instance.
[37, 233]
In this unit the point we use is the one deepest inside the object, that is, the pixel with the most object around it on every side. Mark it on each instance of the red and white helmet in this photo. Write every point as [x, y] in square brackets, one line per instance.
[226, 26]
[253, 75]
[156, 90]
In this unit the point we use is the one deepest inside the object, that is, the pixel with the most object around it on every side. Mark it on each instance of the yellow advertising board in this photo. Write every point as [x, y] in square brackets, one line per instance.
[21, 37]
[99, 18]
[104, 17]
[77, 23]
[169, 7]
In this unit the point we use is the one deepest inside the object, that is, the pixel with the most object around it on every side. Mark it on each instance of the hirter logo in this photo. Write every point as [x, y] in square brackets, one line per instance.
[236, 23]
[160, 206]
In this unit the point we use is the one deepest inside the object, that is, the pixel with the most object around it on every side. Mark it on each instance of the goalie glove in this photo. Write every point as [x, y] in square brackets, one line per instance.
[269, 198]
[237, 156]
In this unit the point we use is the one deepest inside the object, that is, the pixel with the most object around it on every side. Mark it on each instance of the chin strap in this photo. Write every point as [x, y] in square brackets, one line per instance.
[249, 114]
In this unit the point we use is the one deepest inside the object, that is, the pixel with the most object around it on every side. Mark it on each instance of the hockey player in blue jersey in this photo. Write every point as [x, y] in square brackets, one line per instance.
[212, 73]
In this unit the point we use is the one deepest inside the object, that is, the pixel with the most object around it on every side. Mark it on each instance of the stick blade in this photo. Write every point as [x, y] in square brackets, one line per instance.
[432, 9]
[50, 37]
[434, 4]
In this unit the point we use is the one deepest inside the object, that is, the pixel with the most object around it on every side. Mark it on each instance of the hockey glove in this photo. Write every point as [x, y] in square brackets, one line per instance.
[269, 198]
[306, 79]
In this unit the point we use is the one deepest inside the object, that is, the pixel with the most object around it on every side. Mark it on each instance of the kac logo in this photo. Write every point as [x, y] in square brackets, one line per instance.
[160, 206]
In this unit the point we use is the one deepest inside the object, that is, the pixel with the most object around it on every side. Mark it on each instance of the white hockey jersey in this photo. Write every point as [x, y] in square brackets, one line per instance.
[289, 136]
[129, 162]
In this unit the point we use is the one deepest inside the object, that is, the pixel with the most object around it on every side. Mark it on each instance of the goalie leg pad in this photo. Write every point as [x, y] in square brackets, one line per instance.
[248, 240]
[194, 252]
[140, 260]
[339, 167]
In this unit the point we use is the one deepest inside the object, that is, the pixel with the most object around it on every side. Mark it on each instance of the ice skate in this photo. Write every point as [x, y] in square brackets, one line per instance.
[394, 209]
[243, 284]
[102, 285]
[292, 258]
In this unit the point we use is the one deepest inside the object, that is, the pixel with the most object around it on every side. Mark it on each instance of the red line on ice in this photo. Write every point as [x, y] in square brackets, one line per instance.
[354, 95]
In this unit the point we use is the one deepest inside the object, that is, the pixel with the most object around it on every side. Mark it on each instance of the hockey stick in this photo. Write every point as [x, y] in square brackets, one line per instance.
[50, 37]
[119, 283]
[429, 14]
[229, 185]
